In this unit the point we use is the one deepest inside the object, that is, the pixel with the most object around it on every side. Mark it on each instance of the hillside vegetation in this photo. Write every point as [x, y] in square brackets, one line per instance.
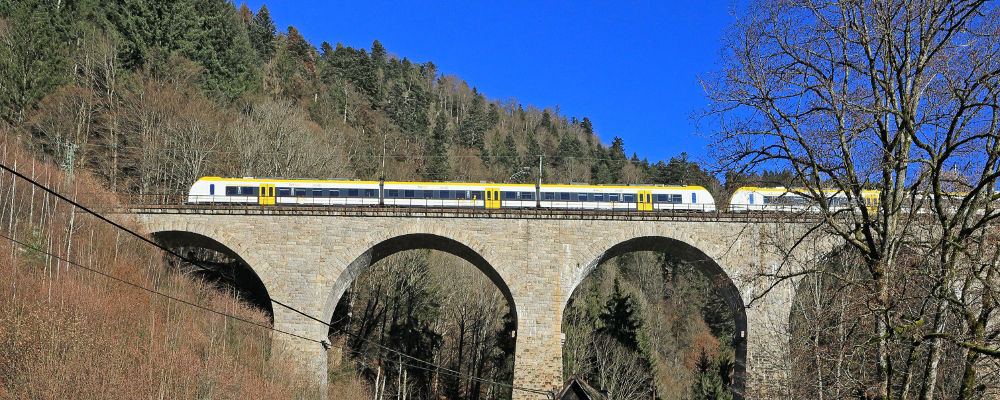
[191, 88]
[146, 96]
[69, 333]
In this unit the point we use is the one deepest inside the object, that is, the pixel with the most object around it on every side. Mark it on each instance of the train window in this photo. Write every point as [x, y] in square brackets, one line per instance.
[476, 194]
[564, 196]
[352, 192]
[628, 198]
[613, 197]
[248, 191]
[510, 195]
[211, 189]
[317, 192]
[694, 197]
[334, 193]
[392, 193]
[751, 198]
[527, 195]
[371, 193]
[461, 194]
[409, 194]
[300, 192]
[548, 196]
[598, 197]
[232, 190]
[428, 194]
[662, 198]
[284, 192]
[676, 198]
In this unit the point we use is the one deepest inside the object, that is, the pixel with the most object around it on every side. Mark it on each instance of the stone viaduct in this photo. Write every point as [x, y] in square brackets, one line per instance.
[307, 260]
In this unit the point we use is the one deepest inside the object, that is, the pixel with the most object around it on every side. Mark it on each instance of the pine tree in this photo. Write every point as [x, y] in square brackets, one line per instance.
[378, 53]
[36, 62]
[297, 45]
[709, 383]
[437, 150]
[472, 129]
[511, 160]
[619, 318]
[262, 34]
[587, 126]
[138, 27]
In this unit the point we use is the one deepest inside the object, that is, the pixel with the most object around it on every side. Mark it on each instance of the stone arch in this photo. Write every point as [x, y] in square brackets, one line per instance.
[249, 279]
[727, 289]
[411, 241]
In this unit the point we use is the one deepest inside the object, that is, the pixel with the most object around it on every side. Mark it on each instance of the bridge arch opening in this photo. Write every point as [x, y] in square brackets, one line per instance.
[219, 265]
[429, 296]
[654, 273]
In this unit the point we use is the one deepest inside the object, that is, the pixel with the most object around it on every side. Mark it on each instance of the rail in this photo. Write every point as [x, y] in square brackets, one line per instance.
[185, 204]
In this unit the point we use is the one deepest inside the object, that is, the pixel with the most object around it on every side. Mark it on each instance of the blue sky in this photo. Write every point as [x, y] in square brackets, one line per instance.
[631, 67]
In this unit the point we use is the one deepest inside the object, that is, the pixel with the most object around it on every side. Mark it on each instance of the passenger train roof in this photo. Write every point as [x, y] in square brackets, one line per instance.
[643, 187]
[784, 190]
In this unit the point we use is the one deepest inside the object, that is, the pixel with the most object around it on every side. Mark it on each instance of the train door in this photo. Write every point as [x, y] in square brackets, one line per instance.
[492, 198]
[871, 201]
[645, 200]
[266, 195]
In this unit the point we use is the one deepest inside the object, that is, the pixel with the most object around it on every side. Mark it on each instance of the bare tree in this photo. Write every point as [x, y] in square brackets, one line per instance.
[898, 97]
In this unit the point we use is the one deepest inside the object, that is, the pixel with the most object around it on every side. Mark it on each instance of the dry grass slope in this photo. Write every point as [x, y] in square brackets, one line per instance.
[68, 333]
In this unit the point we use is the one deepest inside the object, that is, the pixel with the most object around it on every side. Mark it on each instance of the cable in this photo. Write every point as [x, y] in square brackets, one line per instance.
[153, 291]
[198, 264]
[214, 311]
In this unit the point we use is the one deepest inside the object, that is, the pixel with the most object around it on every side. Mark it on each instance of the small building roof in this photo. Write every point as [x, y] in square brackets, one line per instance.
[576, 389]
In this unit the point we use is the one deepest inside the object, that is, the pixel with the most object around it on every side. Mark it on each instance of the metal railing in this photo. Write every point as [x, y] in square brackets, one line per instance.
[419, 207]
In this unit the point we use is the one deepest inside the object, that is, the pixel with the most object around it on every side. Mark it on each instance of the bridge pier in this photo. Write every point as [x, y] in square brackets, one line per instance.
[309, 358]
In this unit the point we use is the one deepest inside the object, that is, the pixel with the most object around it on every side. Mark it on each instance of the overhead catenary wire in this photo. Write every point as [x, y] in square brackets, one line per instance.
[197, 264]
[153, 291]
[222, 313]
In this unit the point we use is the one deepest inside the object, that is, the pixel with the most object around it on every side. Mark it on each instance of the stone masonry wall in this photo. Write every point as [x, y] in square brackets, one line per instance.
[304, 261]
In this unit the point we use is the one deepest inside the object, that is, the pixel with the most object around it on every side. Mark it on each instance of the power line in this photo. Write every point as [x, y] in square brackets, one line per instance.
[153, 291]
[237, 318]
[198, 264]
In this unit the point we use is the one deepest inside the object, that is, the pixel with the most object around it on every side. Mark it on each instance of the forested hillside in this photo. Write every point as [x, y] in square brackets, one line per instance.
[191, 88]
[146, 96]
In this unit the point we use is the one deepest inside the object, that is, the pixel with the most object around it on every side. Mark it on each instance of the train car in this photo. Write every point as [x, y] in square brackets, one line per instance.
[456, 194]
[279, 191]
[642, 198]
[781, 199]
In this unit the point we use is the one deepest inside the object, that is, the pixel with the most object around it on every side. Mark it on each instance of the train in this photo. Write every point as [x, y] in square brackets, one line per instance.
[342, 192]
[307, 192]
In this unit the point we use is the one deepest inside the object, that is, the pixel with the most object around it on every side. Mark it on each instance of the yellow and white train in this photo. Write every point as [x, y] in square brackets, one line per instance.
[279, 191]
[306, 192]
[749, 198]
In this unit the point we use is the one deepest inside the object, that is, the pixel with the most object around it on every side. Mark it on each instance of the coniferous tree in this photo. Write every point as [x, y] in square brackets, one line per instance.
[437, 151]
[36, 62]
[472, 129]
[587, 126]
[709, 383]
[511, 160]
[297, 45]
[619, 318]
[137, 27]
[262, 34]
[378, 53]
